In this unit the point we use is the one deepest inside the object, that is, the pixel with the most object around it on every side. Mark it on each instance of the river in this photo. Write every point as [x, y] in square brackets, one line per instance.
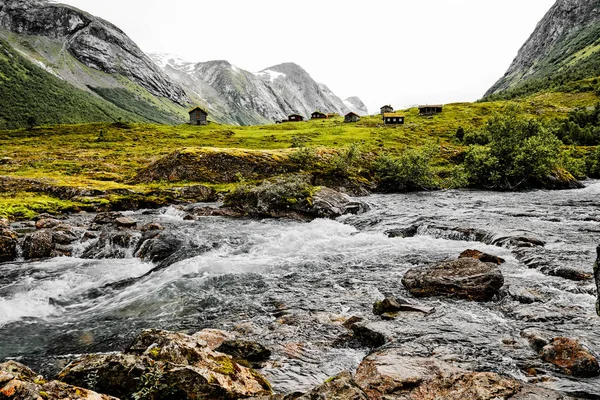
[290, 285]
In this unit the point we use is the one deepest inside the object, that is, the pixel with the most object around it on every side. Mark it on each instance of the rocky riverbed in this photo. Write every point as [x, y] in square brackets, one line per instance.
[379, 299]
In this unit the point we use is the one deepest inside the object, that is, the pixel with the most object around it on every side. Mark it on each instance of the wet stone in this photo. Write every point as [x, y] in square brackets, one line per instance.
[570, 357]
[391, 305]
[8, 244]
[465, 278]
[481, 256]
[37, 245]
[125, 222]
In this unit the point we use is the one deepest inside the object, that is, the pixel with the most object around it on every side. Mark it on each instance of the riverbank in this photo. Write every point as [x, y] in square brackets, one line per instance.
[291, 285]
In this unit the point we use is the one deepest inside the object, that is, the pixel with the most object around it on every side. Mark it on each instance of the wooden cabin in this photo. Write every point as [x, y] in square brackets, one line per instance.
[198, 116]
[387, 109]
[318, 115]
[393, 119]
[430, 110]
[351, 117]
[295, 118]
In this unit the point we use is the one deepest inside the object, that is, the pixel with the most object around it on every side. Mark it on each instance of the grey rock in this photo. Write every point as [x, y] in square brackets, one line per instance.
[465, 278]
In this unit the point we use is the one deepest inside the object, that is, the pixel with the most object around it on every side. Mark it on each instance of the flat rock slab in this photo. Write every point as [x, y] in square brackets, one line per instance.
[465, 278]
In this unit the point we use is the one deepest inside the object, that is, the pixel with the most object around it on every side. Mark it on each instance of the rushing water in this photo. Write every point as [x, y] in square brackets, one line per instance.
[290, 285]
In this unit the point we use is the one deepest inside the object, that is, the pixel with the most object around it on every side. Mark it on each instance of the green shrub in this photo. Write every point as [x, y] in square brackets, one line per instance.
[304, 158]
[411, 171]
[477, 137]
[344, 162]
[521, 150]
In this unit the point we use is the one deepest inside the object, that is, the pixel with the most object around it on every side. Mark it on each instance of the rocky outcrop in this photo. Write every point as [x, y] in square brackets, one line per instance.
[570, 357]
[92, 41]
[567, 28]
[216, 165]
[356, 105]
[171, 364]
[19, 382]
[465, 278]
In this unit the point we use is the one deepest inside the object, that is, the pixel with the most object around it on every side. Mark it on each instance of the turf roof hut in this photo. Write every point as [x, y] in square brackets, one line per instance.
[318, 115]
[351, 117]
[198, 116]
[295, 118]
[430, 110]
[387, 109]
[393, 119]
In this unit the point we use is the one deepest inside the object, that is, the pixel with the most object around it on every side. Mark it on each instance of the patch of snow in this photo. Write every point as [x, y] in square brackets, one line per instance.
[270, 75]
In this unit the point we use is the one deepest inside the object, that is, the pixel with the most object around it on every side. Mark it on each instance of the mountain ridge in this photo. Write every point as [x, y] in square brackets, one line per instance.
[244, 97]
[564, 47]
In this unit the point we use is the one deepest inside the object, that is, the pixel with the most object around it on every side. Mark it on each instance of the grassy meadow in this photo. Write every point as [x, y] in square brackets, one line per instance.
[107, 156]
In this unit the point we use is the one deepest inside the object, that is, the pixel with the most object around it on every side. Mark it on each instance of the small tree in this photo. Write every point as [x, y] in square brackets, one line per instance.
[31, 122]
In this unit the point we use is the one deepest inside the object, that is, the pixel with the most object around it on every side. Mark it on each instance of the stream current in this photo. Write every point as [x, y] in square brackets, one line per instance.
[290, 285]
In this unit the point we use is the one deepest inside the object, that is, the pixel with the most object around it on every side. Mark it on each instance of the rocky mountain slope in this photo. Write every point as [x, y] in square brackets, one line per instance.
[91, 54]
[237, 96]
[564, 47]
[356, 105]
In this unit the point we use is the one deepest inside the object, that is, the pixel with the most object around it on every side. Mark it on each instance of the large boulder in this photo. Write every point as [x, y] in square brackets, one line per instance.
[38, 244]
[166, 365]
[465, 278]
[8, 244]
[570, 357]
[20, 383]
[388, 374]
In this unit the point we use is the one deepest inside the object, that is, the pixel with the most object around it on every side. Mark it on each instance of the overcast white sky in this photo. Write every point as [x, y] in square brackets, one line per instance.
[401, 52]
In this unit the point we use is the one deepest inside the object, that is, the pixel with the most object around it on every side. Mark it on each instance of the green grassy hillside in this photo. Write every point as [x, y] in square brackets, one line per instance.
[572, 65]
[108, 156]
[29, 95]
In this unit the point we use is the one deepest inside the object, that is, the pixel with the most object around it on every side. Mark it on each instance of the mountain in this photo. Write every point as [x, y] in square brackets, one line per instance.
[92, 55]
[30, 95]
[564, 47]
[356, 105]
[299, 91]
[233, 95]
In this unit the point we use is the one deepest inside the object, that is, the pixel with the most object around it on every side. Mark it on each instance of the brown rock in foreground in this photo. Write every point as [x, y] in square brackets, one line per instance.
[465, 278]
[389, 375]
[173, 365]
[19, 383]
[571, 357]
